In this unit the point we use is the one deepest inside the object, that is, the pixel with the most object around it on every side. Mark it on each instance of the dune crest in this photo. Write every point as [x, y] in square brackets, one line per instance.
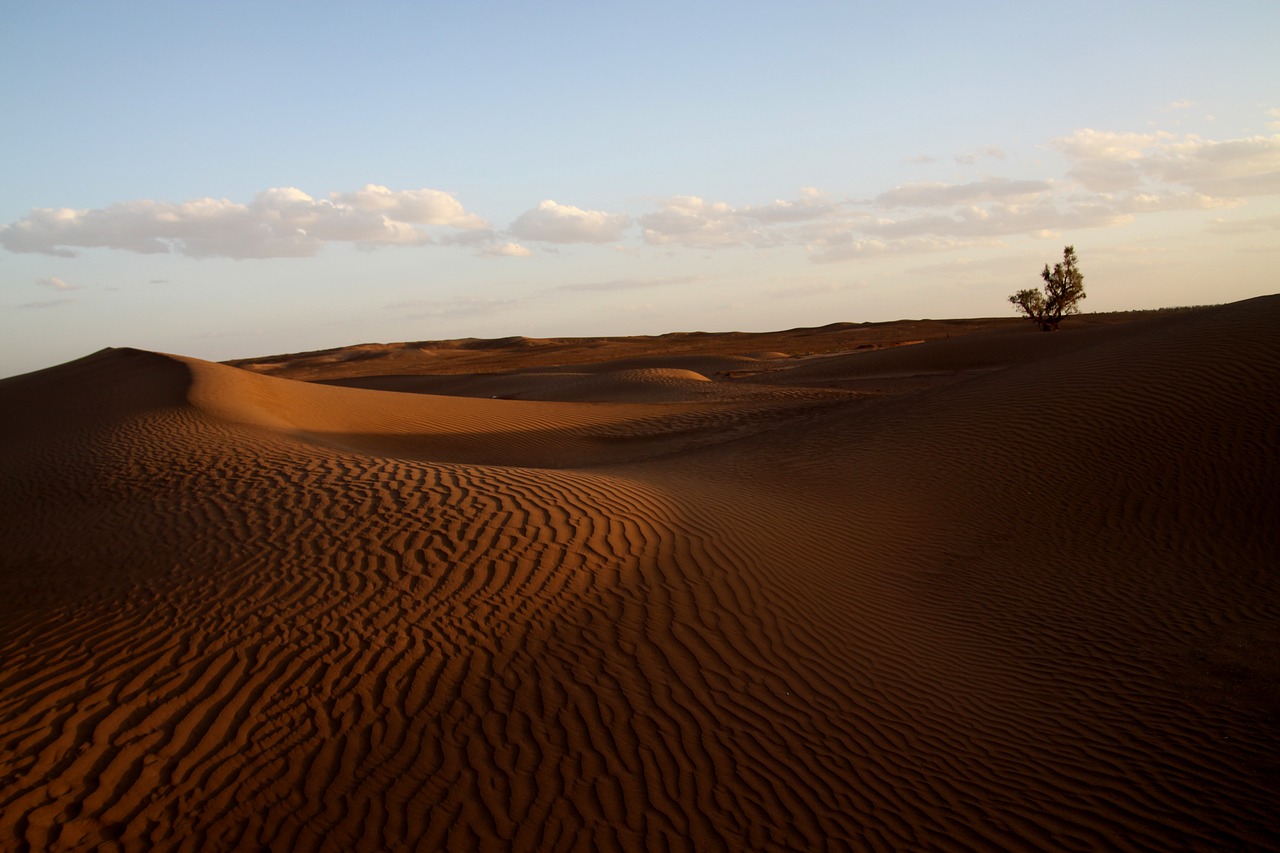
[1005, 590]
[430, 427]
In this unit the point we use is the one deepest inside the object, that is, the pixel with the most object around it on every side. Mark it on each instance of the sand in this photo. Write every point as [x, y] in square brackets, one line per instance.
[820, 589]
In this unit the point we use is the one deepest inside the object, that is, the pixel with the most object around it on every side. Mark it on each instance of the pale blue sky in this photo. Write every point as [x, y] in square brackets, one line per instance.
[238, 179]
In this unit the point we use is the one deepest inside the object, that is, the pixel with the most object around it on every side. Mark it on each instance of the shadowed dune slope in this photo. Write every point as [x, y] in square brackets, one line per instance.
[1034, 606]
[1085, 546]
[993, 350]
[698, 351]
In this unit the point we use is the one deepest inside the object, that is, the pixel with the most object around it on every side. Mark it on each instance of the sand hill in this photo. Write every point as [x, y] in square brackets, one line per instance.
[825, 589]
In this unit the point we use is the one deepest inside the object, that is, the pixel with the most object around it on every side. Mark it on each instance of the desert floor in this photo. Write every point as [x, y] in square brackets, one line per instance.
[917, 585]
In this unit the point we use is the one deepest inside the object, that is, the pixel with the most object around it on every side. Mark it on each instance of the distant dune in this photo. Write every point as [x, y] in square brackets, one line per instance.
[929, 585]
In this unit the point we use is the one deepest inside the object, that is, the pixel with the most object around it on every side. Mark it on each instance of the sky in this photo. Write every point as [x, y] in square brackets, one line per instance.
[226, 180]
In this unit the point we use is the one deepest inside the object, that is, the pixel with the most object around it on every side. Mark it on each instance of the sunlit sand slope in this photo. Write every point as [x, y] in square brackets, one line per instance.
[653, 385]
[1032, 606]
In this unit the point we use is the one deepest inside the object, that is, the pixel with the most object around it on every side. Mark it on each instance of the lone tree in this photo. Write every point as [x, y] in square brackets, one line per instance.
[1063, 290]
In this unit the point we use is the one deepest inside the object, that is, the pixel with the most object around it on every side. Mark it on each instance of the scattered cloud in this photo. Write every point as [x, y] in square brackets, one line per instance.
[1229, 169]
[1107, 176]
[506, 250]
[930, 194]
[1110, 177]
[806, 290]
[55, 283]
[458, 306]
[46, 303]
[694, 222]
[812, 204]
[967, 266]
[1153, 202]
[627, 284]
[1110, 162]
[974, 221]
[1104, 161]
[920, 160]
[1089, 144]
[279, 222]
[551, 222]
[422, 207]
[1245, 226]
[1183, 104]
[848, 247]
[971, 158]
[1115, 176]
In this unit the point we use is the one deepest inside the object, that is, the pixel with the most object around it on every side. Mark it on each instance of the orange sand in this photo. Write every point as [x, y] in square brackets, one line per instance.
[820, 589]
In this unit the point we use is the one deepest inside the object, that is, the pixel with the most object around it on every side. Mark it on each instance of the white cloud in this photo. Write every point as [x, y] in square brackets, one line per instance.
[940, 217]
[812, 204]
[1104, 161]
[692, 221]
[507, 250]
[1110, 178]
[421, 207]
[1228, 169]
[1123, 175]
[1090, 144]
[1109, 162]
[279, 222]
[551, 222]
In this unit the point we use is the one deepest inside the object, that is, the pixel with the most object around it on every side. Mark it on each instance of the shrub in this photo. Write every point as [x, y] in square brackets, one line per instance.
[1063, 290]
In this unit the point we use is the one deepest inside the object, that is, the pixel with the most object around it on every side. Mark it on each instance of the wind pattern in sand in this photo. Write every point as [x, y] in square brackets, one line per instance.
[1001, 590]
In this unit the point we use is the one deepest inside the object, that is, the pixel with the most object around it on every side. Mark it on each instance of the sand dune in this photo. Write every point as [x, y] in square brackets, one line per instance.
[1005, 590]
[650, 385]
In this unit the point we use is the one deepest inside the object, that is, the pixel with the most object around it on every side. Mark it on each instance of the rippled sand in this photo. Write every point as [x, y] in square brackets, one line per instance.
[994, 590]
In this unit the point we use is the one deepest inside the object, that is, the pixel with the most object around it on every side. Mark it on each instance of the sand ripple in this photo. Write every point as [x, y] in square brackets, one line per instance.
[1031, 608]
